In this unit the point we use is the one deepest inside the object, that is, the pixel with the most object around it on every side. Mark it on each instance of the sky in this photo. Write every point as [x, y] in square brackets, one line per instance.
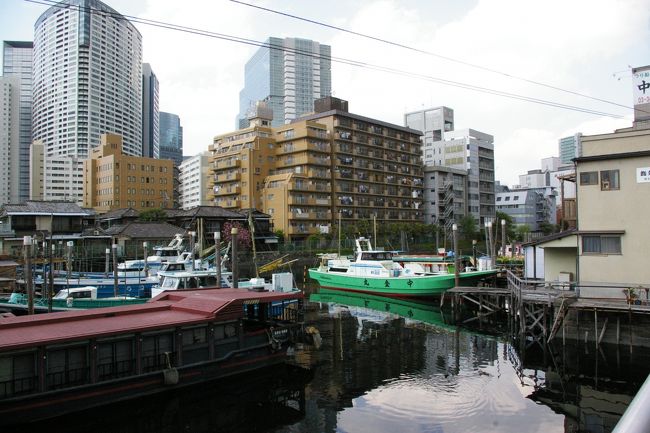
[583, 46]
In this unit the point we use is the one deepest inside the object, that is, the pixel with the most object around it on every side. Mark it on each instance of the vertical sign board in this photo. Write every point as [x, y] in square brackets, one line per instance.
[643, 175]
[641, 92]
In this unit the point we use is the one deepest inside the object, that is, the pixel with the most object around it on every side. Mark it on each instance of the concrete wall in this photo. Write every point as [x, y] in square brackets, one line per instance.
[558, 260]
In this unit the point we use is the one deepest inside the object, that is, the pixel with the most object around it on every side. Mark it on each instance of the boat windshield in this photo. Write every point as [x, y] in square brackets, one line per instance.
[169, 283]
[374, 255]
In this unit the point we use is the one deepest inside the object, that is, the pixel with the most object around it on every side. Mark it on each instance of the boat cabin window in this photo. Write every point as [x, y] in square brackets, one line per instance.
[195, 345]
[153, 351]
[85, 294]
[66, 367]
[17, 374]
[166, 253]
[175, 267]
[192, 283]
[115, 359]
[209, 281]
[225, 339]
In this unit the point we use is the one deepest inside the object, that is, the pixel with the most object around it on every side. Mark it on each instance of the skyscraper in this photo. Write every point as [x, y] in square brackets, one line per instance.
[150, 112]
[9, 103]
[289, 74]
[171, 138]
[17, 63]
[87, 81]
[570, 147]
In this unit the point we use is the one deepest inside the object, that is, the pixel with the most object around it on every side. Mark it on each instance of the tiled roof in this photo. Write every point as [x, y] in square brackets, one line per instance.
[33, 207]
[145, 230]
[203, 211]
[118, 214]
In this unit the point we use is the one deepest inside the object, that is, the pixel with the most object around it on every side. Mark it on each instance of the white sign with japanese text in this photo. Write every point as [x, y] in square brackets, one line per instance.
[641, 87]
[643, 175]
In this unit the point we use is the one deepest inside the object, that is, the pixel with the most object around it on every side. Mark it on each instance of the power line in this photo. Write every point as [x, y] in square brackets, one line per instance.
[350, 62]
[429, 53]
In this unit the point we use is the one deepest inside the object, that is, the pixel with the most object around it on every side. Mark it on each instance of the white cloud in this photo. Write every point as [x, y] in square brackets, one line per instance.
[576, 45]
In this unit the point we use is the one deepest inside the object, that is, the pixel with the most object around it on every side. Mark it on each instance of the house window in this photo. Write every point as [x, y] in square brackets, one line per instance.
[589, 178]
[609, 180]
[601, 244]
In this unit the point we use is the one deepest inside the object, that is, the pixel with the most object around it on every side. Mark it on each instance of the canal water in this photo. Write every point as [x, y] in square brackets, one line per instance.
[396, 366]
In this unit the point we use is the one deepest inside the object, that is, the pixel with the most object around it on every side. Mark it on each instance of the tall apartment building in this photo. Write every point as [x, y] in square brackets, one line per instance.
[87, 81]
[289, 75]
[467, 150]
[150, 113]
[195, 176]
[171, 138]
[473, 151]
[9, 139]
[114, 180]
[17, 64]
[445, 196]
[307, 172]
[570, 148]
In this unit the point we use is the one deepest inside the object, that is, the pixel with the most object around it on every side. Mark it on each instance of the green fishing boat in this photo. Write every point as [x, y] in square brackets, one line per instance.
[375, 272]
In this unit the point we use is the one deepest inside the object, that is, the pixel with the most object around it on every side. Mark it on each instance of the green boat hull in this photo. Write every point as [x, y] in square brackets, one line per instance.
[419, 286]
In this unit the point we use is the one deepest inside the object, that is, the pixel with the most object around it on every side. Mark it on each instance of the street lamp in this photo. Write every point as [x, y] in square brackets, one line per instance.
[27, 273]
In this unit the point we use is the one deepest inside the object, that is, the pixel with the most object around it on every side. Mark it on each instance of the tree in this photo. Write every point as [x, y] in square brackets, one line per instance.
[467, 228]
[547, 228]
[280, 235]
[522, 232]
[243, 234]
[155, 214]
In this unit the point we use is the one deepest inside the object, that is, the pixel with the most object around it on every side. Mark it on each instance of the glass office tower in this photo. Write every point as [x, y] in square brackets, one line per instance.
[289, 74]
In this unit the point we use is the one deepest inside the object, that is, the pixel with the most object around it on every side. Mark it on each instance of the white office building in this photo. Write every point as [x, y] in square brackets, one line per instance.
[87, 81]
[194, 176]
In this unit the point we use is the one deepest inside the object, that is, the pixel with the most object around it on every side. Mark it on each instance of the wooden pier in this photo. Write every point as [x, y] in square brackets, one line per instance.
[537, 311]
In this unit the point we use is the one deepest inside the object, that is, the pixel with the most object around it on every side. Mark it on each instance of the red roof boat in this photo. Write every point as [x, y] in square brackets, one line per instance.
[57, 363]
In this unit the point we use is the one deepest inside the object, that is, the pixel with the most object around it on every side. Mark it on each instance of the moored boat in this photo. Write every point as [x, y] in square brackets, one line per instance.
[375, 272]
[71, 361]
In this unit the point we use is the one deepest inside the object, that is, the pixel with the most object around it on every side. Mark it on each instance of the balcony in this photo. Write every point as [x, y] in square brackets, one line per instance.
[231, 204]
[227, 163]
[228, 191]
[302, 230]
[319, 174]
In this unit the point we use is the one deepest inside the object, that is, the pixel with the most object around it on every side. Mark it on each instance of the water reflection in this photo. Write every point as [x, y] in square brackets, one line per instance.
[392, 365]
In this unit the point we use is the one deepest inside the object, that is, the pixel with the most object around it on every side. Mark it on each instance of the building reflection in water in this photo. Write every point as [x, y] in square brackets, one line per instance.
[392, 365]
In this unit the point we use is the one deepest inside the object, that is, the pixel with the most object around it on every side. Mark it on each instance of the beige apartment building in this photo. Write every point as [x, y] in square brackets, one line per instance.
[613, 196]
[113, 180]
[307, 172]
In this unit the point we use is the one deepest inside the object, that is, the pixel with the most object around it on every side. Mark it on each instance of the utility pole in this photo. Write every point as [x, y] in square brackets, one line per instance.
[27, 273]
[235, 265]
[50, 276]
[145, 245]
[454, 230]
[503, 238]
[114, 247]
[108, 261]
[217, 256]
[69, 265]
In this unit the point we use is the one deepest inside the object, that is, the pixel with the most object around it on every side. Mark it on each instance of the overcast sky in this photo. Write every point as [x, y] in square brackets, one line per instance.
[585, 46]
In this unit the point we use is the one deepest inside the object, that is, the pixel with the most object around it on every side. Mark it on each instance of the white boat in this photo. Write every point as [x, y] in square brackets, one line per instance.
[181, 280]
